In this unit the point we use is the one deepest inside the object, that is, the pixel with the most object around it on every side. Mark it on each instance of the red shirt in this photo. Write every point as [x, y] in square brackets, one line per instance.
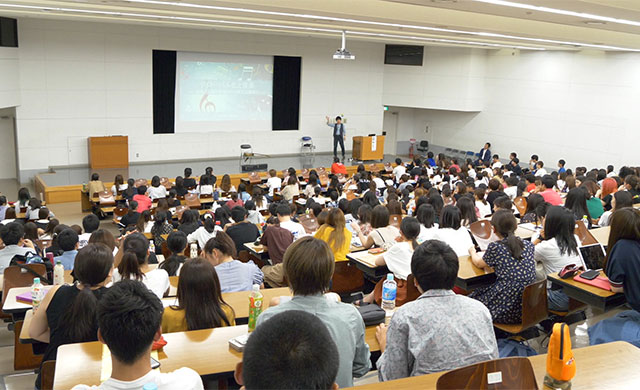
[531, 187]
[552, 197]
[231, 204]
[144, 202]
[456, 167]
[338, 168]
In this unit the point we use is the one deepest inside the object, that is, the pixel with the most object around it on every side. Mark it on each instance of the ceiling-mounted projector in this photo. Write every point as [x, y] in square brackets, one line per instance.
[343, 53]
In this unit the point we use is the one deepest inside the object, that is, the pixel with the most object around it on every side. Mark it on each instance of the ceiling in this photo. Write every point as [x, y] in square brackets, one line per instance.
[612, 25]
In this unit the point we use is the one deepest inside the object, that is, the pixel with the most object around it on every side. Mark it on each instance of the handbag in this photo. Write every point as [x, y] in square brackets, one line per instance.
[371, 314]
[29, 258]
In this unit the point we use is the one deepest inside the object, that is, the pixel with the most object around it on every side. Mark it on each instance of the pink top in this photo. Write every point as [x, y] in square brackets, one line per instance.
[552, 197]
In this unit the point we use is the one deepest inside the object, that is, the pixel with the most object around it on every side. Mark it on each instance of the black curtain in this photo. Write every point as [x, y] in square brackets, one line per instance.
[286, 92]
[164, 91]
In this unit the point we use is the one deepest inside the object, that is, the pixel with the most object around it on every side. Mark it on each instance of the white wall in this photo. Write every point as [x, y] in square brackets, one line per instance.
[92, 79]
[8, 144]
[9, 77]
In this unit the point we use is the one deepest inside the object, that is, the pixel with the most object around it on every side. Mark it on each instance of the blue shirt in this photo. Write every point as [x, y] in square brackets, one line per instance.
[431, 162]
[238, 276]
[338, 129]
[623, 270]
[562, 169]
[67, 259]
[3, 212]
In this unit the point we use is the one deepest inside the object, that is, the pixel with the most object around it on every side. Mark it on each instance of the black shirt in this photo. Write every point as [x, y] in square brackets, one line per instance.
[189, 182]
[493, 195]
[242, 233]
[188, 228]
[130, 219]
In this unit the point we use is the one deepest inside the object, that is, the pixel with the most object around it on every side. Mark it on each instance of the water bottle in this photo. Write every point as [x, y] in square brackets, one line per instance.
[389, 289]
[37, 293]
[150, 386]
[255, 306]
[194, 251]
[58, 274]
[585, 220]
[152, 246]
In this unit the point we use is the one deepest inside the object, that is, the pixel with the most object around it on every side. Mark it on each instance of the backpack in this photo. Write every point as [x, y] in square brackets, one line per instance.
[29, 258]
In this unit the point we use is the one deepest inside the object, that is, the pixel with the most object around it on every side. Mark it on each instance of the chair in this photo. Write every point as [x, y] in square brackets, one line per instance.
[309, 223]
[321, 170]
[583, 234]
[388, 167]
[372, 168]
[521, 204]
[534, 308]
[120, 211]
[306, 146]
[515, 373]
[23, 356]
[469, 154]
[254, 178]
[15, 276]
[304, 172]
[164, 181]
[423, 146]
[192, 201]
[141, 182]
[395, 220]
[324, 179]
[482, 232]
[347, 278]
[47, 372]
[341, 178]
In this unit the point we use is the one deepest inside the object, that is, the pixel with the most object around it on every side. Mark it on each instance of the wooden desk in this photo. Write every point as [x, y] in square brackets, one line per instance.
[205, 351]
[604, 366]
[11, 305]
[255, 249]
[469, 276]
[601, 234]
[25, 338]
[523, 233]
[593, 296]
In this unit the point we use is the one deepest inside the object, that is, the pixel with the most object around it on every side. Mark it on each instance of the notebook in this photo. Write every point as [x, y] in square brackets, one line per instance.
[26, 297]
[599, 282]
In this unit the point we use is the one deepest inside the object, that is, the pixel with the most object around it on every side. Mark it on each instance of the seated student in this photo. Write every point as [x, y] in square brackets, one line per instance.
[495, 191]
[90, 223]
[338, 167]
[145, 223]
[95, 185]
[484, 208]
[204, 233]
[225, 184]
[14, 244]
[23, 199]
[234, 201]
[576, 201]
[457, 332]
[199, 300]
[561, 164]
[104, 237]
[67, 314]
[297, 347]
[399, 170]
[144, 202]
[503, 203]
[188, 181]
[234, 275]
[383, 235]
[275, 241]
[161, 227]
[312, 184]
[512, 261]
[540, 171]
[132, 215]
[132, 262]
[3, 207]
[206, 186]
[31, 234]
[130, 191]
[594, 204]
[609, 187]
[176, 243]
[189, 221]
[548, 193]
[273, 182]
[530, 179]
[291, 189]
[118, 185]
[179, 187]
[530, 215]
[156, 191]
[467, 208]
[452, 233]
[309, 266]
[431, 162]
[426, 215]
[335, 233]
[622, 267]
[620, 199]
[631, 185]
[68, 242]
[242, 193]
[43, 218]
[47, 232]
[253, 215]
[242, 231]
[124, 304]
[557, 249]
[283, 211]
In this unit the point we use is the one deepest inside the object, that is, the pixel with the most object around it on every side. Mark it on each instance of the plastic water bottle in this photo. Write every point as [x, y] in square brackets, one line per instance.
[150, 386]
[194, 251]
[58, 274]
[152, 246]
[37, 293]
[255, 306]
[585, 220]
[389, 289]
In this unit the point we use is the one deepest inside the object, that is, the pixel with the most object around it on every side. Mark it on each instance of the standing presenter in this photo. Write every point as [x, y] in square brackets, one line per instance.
[339, 135]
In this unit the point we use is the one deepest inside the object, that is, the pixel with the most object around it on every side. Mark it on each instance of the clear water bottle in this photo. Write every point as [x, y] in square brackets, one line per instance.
[37, 293]
[194, 251]
[58, 274]
[152, 246]
[585, 220]
[389, 289]
[150, 386]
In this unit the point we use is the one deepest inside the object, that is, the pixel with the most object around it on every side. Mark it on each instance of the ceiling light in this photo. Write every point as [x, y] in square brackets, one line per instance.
[582, 15]
[395, 25]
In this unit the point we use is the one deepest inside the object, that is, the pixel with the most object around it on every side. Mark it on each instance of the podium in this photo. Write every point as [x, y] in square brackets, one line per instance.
[108, 152]
[368, 148]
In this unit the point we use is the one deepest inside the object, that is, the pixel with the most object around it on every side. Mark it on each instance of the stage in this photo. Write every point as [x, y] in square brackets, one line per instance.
[65, 184]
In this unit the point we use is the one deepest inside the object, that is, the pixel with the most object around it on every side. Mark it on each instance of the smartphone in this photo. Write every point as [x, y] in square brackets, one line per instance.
[590, 275]
[154, 363]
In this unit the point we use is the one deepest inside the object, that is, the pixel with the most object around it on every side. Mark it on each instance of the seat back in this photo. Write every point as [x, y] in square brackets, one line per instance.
[254, 178]
[586, 238]
[309, 223]
[324, 179]
[140, 183]
[424, 144]
[47, 371]
[166, 183]
[321, 170]
[106, 198]
[395, 220]
[516, 373]
[304, 172]
[388, 167]
[15, 276]
[534, 304]
[192, 201]
[120, 211]
[341, 178]
[481, 229]
[521, 204]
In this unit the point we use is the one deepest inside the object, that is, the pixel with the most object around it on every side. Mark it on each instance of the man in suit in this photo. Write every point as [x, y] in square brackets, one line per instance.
[485, 154]
[339, 135]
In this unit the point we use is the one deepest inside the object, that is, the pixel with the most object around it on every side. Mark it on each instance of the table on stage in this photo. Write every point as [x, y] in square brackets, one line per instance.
[368, 148]
[604, 366]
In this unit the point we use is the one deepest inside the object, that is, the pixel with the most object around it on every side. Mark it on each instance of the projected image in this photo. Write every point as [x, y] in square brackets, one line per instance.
[211, 91]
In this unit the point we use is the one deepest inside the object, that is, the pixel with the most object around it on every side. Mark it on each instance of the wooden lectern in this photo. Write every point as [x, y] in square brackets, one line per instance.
[368, 148]
[109, 152]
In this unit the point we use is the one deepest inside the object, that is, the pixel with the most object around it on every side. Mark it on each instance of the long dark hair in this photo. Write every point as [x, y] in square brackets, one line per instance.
[450, 218]
[91, 267]
[533, 201]
[136, 248]
[222, 242]
[426, 215]
[505, 224]
[410, 228]
[176, 242]
[625, 225]
[576, 201]
[200, 297]
[560, 223]
[467, 209]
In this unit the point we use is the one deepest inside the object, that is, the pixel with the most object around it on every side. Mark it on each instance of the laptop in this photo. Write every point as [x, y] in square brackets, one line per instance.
[592, 256]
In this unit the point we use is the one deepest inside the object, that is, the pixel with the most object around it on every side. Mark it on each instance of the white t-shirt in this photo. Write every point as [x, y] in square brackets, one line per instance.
[201, 235]
[484, 209]
[399, 171]
[459, 240]
[398, 259]
[541, 172]
[379, 182]
[205, 189]
[605, 218]
[511, 192]
[295, 228]
[548, 253]
[156, 280]
[183, 378]
[157, 192]
[83, 240]
[273, 183]
[496, 165]
[121, 187]
[427, 233]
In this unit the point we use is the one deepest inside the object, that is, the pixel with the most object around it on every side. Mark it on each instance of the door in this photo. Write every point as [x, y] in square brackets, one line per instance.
[8, 145]
[390, 125]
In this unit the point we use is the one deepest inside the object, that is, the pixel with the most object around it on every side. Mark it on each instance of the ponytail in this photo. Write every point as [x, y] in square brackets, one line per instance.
[129, 268]
[172, 264]
[515, 245]
[79, 322]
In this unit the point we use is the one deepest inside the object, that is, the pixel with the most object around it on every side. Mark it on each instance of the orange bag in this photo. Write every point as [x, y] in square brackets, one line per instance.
[560, 363]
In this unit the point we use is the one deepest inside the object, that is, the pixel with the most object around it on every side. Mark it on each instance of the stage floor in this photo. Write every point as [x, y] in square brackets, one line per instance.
[77, 176]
